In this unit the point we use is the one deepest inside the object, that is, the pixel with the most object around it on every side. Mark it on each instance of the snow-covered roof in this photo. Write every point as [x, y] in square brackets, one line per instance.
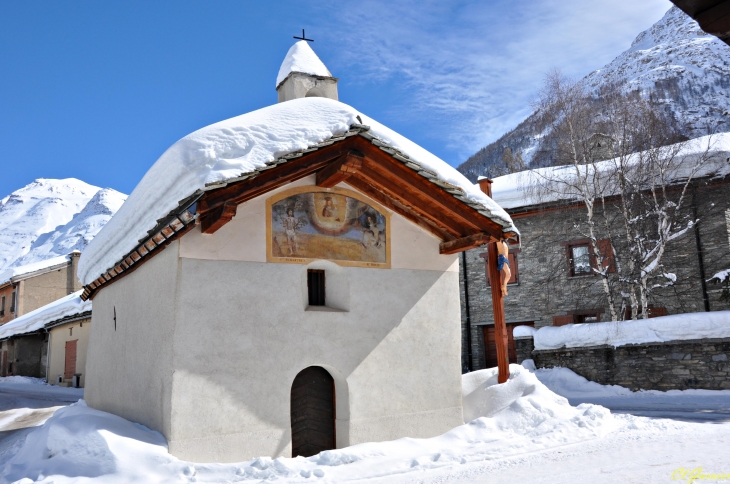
[235, 147]
[677, 327]
[301, 58]
[70, 305]
[13, 272]
[516, 189]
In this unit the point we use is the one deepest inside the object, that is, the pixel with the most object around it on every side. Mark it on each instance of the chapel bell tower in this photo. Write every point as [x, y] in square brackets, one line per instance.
[303, 74]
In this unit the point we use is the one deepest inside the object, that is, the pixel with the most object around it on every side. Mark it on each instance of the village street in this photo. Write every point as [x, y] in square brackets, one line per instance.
[24, 405]
[538, 438]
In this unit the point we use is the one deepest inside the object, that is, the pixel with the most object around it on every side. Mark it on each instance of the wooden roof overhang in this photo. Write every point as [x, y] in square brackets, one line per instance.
[713, 16]
[356, 158]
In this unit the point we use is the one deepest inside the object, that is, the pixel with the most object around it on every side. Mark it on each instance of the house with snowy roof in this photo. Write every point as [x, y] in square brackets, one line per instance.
[555, 278]
[286, 282]
[49, 342]
[28, 287]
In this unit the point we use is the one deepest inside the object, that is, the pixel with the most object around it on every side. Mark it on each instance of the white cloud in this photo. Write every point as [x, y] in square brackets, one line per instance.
[475, 65]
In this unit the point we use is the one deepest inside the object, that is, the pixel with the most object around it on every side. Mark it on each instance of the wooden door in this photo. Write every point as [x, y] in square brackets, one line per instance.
[70, 366]
[312, 412]
[490, 345]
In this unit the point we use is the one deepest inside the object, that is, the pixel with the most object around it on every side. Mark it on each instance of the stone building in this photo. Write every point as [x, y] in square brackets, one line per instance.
[27, 288]
[286, 282]
[550, 285]
[48, 342]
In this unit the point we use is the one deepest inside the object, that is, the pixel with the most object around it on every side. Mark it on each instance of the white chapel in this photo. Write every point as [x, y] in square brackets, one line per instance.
[286, 282]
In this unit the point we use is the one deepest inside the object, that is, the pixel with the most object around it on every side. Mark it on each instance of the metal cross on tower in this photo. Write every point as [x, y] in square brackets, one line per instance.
[303, 37]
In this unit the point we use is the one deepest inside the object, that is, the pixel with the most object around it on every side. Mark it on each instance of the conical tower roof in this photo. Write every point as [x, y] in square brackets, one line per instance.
[301, 58]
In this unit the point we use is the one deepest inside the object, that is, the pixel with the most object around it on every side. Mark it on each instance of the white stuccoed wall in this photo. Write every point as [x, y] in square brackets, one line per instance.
[218, 386]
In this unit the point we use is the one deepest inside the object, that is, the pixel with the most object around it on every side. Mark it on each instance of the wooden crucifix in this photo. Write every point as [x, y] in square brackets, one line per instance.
[494, 275]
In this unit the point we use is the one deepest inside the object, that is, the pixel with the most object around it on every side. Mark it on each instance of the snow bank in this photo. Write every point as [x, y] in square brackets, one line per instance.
[714, 324]
[519, 189]
[523, 331]
[8, 274]
[240, 145]
[27, 380]
[517, 418]
[301, 58]
[35, 320]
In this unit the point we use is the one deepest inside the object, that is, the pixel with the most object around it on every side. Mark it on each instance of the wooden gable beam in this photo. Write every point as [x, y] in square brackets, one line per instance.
[465, 243]
[435, 197]
[210, 204]
[418, 203]
[443, 233]
[218, 217]
[340, 170]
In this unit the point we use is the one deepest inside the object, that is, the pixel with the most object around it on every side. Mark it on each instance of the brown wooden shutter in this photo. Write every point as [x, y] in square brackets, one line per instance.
[70, 368]
[606, 251]
[562, 320]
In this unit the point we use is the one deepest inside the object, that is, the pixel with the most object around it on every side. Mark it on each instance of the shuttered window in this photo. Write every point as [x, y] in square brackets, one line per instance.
[12, 302]
[582, 259]
[70, 366]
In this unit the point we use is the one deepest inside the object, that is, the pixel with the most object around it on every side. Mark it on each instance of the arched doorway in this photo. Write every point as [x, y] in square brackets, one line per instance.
[312, 412]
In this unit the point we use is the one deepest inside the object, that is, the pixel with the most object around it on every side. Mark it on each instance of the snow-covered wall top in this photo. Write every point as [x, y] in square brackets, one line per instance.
[35, 320]
[676, 327]
[11, 272]
[301, 58]
[240, 145]
[517, 189]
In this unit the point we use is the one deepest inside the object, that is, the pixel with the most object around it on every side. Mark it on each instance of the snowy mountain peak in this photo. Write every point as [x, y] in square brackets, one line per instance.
[673, 63]
[49, 218]
[678, 65]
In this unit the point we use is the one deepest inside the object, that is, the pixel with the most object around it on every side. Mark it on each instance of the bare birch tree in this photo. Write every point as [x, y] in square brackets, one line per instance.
[621, 159]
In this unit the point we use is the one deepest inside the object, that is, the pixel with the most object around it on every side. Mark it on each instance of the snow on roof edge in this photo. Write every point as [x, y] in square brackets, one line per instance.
[510, 190]
[11, 272]
[33, 321]
[238, 147]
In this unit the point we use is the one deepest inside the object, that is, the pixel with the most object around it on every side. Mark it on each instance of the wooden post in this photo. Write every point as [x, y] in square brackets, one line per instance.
[500, 328]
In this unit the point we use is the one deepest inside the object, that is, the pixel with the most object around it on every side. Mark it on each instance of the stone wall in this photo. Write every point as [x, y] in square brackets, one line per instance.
[672, 365]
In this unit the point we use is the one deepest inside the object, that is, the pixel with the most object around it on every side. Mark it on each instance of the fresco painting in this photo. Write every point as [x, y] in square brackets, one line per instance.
[328, 225]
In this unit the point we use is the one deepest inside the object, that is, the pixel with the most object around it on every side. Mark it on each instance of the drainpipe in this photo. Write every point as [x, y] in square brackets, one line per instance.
[469, 363]
[700, 260]
[48, 354]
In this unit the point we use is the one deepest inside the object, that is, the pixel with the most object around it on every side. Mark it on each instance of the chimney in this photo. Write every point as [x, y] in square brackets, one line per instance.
[486, 185]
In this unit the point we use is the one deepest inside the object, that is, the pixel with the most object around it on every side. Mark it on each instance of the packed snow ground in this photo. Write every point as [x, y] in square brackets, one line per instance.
[520, 428]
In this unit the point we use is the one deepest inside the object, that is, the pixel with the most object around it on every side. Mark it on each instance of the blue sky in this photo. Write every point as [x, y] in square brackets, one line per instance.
[98, 90]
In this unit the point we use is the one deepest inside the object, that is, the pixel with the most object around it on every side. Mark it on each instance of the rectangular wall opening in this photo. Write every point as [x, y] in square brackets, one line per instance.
[315, 285]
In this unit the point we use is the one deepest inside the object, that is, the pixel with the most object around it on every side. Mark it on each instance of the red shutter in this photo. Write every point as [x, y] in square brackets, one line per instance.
[606, 251]
[562, 320]
[70, 368]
